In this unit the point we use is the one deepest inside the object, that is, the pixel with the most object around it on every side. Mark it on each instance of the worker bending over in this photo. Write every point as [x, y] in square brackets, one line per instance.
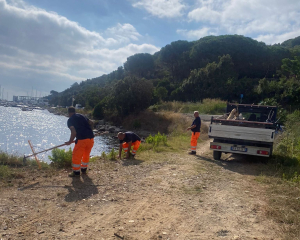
[127, 140]
[80, 127]
[195, 128]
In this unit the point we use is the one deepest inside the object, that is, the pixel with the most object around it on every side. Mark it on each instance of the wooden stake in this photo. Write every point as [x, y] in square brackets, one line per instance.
[34, 154]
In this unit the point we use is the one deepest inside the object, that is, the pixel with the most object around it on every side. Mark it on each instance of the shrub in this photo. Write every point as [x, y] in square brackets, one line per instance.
[61, 158]
[137, 124]
[5, 172]
[10, 160]
[99, 110]
[112, 155]
[157, 139]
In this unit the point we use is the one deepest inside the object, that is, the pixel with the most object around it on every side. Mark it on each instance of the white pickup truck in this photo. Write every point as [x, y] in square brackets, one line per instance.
[249, 129]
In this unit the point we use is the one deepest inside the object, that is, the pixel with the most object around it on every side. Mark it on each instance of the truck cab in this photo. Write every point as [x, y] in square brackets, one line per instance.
[245, 129]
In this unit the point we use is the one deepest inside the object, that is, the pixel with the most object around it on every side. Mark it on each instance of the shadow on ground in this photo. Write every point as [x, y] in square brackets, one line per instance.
[81, 189]
[132, 161]
[243, 164]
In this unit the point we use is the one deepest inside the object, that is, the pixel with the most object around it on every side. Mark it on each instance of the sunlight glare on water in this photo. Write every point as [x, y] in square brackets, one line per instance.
[45, 130]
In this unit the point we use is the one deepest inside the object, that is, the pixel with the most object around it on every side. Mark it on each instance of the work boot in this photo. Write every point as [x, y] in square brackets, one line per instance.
[84, 170]
[192, 152]
[132, 155]
[74, 174]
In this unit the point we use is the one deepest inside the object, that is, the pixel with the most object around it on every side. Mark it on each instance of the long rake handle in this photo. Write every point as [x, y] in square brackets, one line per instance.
[46, 150]
[36, 159]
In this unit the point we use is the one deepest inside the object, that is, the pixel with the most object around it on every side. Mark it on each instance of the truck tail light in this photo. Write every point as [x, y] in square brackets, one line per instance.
[262, 152]
[215, 147]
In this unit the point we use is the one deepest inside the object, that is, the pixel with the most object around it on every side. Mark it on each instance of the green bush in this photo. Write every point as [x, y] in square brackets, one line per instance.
[112, 155]
[157, 139]
[137, 124]
[290, 143]
[10, 160]
[5, 172]
[99, 110]
[61, 158]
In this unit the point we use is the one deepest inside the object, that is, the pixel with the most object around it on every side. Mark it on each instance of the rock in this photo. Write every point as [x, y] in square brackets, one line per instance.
[101, 122]
[102, 128]
[111, 129]
[131, 221]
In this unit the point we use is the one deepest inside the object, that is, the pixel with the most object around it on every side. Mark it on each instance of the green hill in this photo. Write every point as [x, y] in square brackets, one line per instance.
[212, 67]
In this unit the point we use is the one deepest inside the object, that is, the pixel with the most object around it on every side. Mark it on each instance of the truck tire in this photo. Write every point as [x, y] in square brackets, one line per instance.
[217, 155]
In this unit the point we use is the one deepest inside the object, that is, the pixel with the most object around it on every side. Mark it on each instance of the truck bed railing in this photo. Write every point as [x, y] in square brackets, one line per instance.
[243, 123]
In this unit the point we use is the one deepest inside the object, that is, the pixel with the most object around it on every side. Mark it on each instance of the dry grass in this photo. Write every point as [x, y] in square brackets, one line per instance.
[164, 122]
[284, 207]
[283, 194]
[208, 106]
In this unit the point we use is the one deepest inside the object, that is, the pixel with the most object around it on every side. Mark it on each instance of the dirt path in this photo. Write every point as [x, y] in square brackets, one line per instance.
[183, 197]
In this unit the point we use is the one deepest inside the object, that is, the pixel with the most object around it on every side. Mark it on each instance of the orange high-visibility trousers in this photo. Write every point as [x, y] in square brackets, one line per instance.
[194, 138]
[81, 153]
[135, 145]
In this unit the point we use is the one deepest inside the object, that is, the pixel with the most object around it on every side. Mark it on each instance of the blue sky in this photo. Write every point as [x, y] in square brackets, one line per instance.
[50, 44]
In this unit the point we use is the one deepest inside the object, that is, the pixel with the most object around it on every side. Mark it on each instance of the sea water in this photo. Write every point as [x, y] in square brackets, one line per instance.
[43, 129]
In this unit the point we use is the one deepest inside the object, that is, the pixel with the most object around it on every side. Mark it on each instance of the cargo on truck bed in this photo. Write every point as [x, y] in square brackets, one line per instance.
[244, 129]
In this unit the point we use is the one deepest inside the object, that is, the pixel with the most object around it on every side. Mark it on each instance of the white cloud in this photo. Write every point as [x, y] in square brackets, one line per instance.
[195, 34]
[269, 20]
[204, 14]
[124, 33]
[50, 51]
[162, 8]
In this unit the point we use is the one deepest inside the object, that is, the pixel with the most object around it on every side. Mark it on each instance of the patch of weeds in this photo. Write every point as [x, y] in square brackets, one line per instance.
[94, 159]
[192, 190]
[263, 179]
[112, 155]
[157, 139]
[10, 160]
[5, 172]
[61, 158]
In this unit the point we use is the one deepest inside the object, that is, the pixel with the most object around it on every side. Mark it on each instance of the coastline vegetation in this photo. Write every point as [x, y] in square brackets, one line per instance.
[207, 106]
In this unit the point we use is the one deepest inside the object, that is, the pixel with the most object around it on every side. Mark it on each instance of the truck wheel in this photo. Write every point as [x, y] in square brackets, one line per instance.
[217, 155]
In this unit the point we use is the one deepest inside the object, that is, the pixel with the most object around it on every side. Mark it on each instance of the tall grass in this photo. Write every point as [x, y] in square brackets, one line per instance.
[208, 106]
[10, 160]
[282, 175]
[5, 172]
[287, 147]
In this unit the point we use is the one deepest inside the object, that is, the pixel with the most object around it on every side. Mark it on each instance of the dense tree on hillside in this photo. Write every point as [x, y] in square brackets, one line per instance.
[286, 90]
[291, 42]
[175, 57]
[132, 95]
[140, 64]
[214, 67]
[212, 81]
[249, 56]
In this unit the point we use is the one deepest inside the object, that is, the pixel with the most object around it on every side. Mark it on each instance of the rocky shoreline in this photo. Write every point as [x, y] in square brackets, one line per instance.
[102, 127]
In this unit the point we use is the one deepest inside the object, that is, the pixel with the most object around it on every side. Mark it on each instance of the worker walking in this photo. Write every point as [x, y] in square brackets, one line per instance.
[195, 128]
[81, 129]
[127, 140]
